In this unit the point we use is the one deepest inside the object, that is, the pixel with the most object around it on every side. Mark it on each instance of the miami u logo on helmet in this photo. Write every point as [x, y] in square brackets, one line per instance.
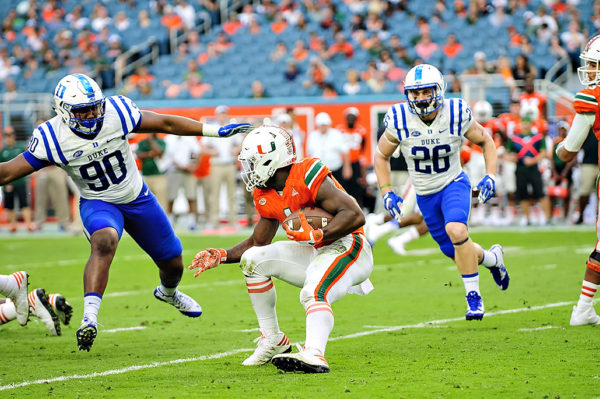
[261, 151]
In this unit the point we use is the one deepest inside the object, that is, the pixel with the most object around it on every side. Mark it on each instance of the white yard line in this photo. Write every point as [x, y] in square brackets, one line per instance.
[236, 351]
[538, 328]
[124, 329]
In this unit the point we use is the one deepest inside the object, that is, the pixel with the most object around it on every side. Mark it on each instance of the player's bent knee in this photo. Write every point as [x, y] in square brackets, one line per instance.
[307, 296]
[105, 241]
[457, 232]
[250, 261]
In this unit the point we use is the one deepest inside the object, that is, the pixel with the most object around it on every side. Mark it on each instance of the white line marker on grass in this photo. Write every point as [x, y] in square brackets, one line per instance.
[236, 351]
[124, 329]
[538, 328]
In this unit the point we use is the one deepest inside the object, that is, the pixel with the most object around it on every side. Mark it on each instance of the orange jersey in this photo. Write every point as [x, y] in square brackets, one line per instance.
[534, 99]
[493, 126]
[586, 101]
[357, 140]
[300, 191]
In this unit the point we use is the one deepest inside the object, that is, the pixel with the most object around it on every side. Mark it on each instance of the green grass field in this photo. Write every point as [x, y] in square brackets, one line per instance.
[407, 339]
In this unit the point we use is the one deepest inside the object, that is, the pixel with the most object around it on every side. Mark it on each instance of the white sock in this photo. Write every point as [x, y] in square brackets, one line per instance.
[91, 306]
[319, 323]
[169, 291]
[6, 285]
[471, 282]
[588, 290]
[7, 311]
[489, 258]
[264, 297]
[410, 235]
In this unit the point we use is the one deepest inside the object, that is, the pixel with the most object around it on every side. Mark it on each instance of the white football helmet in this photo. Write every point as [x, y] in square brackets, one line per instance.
[79, 101]
[589, 71]
[264, 150]
[530, 112]
[421, 77]
[483, 111]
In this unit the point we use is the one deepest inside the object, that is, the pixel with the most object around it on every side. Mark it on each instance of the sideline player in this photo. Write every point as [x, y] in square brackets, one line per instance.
[88, 139]
[326, 263]
[586, 107]
[430, 131]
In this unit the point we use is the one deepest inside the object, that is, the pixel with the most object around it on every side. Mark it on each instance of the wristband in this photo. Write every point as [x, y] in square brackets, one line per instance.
[210, 130]
[384, 186]
[223, 255]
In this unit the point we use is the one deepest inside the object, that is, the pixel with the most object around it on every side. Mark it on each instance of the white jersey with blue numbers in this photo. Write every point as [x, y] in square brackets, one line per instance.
[102, 167]
[432, 152]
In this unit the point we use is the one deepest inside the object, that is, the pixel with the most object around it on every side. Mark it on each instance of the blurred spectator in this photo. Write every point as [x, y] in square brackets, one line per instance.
[328, 19]
[192, 84]
[588, 174]
[499, 18]
[279, 25]
[300, 52]
[114, 47]
[144, 20]
[352, 85]
[223, 170]
[316, 43]
[279, 52]
[247, 15]
[171, 20]
[330, 147]
[210, 53]
[18, 189]
[523, 69]
[369, 72]
[100, 18]
[202, 175]
[291, 71]
[452, 47]
[285, 121]
[292, 12]
[180, 162]
[514, 37]
[232, 25]
[257, 90]
[78, 66]
[574, 40]
[562, 174]
[556, 49]
[121, 21]
[329, 90]
[222, 44]
[182, 54]
[377, 82]
[376, 46]
[51, 187]
[193, 43]
[75, 18]
[542, 18]
[10, 92]
[374, 23]
[317, 72]
[531, 98]
[254, 27]
[481, 67]
[212, 8]
[454, 84]
[356, 137]
[149, 151]
[187, 13]
[340, 46]
[357, 22]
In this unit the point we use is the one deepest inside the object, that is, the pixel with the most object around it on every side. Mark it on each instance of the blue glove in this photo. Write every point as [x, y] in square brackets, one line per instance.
[234, 128]
[391, 203]
[487, 188]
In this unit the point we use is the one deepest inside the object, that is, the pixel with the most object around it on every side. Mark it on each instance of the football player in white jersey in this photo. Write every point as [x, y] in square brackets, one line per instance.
[88, 139]
[430, 131]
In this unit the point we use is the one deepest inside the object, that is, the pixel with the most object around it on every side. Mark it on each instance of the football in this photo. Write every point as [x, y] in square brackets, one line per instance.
[316, 217]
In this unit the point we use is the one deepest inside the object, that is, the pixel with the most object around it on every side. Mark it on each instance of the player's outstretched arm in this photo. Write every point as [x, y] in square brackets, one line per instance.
[14, 169]
[153, 122]
[347, 215]
[263, 234]
[569, 147]
[385, 148]
[478, 135]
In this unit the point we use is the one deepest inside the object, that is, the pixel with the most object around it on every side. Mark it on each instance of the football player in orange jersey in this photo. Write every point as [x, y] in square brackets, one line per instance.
[326, 263]
[586, 118]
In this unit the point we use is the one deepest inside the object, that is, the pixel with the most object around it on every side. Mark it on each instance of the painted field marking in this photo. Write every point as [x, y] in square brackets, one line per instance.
[539, 328]
[124, 329]
[236, 351]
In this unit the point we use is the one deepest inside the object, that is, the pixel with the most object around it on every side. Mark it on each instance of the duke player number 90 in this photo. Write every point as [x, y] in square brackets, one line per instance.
[95, 171]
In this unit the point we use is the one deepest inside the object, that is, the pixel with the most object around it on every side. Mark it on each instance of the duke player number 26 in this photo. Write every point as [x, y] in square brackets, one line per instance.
[104, 171]
[438, 155]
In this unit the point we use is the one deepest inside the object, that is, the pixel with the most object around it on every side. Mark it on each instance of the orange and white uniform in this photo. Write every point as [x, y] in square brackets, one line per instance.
[535, 99]
[587, 116]
[326, 273]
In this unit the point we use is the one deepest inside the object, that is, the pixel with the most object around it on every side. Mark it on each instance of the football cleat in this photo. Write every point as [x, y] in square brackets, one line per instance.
[61, 307]
[19, 296]
[185, 304]
[86, 334]
[474, 306]
[584, 316]
[397, 245]
[305, 361]
[374, 228]
[40, 307]
[268, 347]
[499, 272]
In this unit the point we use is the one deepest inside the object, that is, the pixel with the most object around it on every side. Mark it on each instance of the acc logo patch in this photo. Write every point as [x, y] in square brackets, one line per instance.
[77, 154]
[415, 133]
[262, 201]
[386, 120]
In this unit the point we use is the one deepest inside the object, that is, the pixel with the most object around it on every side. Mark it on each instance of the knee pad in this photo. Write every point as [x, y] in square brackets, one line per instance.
[591, 265]
[249, 261]
[307, 296]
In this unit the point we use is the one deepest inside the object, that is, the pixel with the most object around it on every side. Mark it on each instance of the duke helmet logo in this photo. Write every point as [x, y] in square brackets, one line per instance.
[77, 154]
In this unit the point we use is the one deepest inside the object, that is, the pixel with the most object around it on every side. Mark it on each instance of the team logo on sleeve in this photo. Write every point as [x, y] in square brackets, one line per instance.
[386, 120]
[77, 154]
[262, 201]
